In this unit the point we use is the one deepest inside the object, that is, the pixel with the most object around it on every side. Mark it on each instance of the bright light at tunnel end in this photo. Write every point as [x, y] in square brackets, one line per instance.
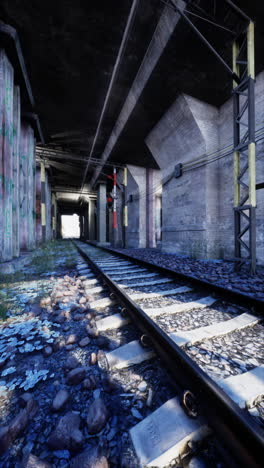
[70, 226]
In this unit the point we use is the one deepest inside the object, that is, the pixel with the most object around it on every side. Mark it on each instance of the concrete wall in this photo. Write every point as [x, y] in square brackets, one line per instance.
[27, 188]
[198, 206]
[17, 169]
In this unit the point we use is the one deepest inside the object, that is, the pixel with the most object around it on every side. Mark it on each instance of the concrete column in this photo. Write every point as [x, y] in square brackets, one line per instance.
[43, 200]
[6, 156]
[15, 198]
[81, 225]
[136, 193]
[86, 222]
[150, 204]
[27, 187]
[38, 206]
[48, 209]
[53, 214]
[101, 213]
[91, 223]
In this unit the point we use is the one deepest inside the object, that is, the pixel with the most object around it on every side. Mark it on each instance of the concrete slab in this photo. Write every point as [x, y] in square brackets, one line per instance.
[163, 435]
[183, 338]
[87, 275]
[95, 290]
[146, 283]
[114, 264]
[133, 271]
[106, 301]
[177, 308]
[129, 354]
[124, 277]
[245, 389]
[88, 282]
[169, 292]
[112, 322]
[122, 271]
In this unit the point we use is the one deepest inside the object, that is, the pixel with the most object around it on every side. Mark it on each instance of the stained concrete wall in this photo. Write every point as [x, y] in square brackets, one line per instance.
[27, 188]
[17, 169]
[6, 156]
[38, 206]
[198, 206]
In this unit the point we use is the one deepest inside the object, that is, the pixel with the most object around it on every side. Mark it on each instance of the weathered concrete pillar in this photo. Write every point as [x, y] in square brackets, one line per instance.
[150, 206]
[15, 185]
[136, 194]
[27, 187]
[54, 214]
[81, 225]
[43, 200]
[48, 208]
[91, 214]
[6, 156]
[38, 206]
[101, 212]
[85, 215]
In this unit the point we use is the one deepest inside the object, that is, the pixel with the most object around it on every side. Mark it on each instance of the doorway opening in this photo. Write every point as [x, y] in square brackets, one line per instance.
[70, 226]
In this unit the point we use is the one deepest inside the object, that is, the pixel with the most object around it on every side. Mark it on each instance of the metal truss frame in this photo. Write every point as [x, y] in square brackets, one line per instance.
[244, 150]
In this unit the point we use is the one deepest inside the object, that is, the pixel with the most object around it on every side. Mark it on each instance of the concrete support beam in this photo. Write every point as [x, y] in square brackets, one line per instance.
[16, 171]
[101, 213]
[6, 156]
[43, 200]
[38, 206]
[161, 36]
[91, 216]
[27, 187]
[48, 208]
[54, 214]
[136, 193]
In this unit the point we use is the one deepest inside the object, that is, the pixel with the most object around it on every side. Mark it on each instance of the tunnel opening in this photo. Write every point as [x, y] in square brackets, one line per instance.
[70, 226]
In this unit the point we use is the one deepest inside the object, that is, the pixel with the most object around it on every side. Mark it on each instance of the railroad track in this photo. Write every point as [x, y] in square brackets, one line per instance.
[211, 346]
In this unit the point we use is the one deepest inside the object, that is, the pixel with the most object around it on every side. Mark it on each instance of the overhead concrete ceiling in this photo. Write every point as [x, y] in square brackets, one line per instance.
[70, 48]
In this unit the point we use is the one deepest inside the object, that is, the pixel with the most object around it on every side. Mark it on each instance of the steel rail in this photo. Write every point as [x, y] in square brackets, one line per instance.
[231, 295]
[241, 436]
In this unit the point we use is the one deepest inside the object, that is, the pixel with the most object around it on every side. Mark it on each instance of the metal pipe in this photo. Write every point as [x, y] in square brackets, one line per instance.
[238, 10]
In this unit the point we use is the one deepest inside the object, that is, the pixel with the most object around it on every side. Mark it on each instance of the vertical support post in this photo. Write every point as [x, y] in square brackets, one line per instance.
[115, 233]
[43, 200]
[53, 214]
[125, 212]
[101, 213]
[91, 220]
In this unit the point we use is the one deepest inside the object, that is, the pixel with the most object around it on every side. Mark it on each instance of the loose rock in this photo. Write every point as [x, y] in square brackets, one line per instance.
[60, 400]
[93, 359]
[67, 434]
[47, 351]
[71, 339]
[97, 416]
[71, 363]
[35, 462]
[84, 342]
[76, 376]
[89, 459]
